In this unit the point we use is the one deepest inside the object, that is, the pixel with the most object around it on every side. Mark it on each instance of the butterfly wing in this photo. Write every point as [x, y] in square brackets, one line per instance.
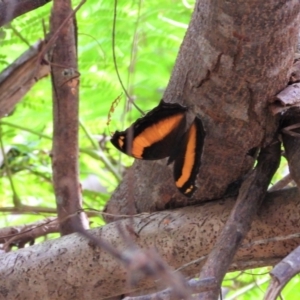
[188, 158]
[153, 136]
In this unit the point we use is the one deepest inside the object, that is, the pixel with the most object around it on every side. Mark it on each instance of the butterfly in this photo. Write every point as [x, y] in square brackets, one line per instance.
[162, 133]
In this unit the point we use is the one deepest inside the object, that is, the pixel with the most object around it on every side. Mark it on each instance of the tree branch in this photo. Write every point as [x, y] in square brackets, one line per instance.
[250, 196]
[20, 235]
[10, 9]
[19, 77]
[290, 265]
[291, 142]
[177, 236]
[65, 113]
[282, 273]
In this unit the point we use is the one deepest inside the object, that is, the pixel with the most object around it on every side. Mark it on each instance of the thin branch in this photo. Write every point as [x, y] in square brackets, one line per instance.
[290, 265]
[94, 154]
[99, 153]
[134, 44]
[196, 286]
[115, 57]
[88, 135]
[16, 199]
[17, 126]
[282, 183]
[19, 77]
[282, 273]
[27, 233]
[239, 222]
[11, 9]
[56, 33]
[20, 36]
[247, 288]
[28, 209]
[291, 143]
[38, 210]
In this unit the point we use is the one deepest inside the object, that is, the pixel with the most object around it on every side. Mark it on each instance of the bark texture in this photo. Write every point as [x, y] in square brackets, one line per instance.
[70, 268]
[21, 75]
[10, 9]
[65, 82]
[18, 78]
[236, 56]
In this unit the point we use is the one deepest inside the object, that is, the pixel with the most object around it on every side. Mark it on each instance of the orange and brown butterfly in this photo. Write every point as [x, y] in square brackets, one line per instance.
[162, 133]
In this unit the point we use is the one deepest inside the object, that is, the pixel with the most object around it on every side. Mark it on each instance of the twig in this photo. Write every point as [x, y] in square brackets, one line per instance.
[55, 34]
[290, 265]
[196, 286]
[18, 126]
[271, 240]
[134, 46]
[238, 224]
[18, 78]
[20, 36]
[16, 199]
[23, 234]
[94, 154]
[39, 210]
[282, 273]
[291, 119]
[282, 183]
[100, 155]
[246, 288]
[28, 209]
[9, 10]
[115, 58]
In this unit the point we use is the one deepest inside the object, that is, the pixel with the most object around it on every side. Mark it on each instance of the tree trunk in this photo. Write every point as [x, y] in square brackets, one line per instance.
[235, 57]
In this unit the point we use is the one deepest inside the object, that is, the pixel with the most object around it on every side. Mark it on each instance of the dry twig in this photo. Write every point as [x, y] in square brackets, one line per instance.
[282, 273]
[239, 222]
[196, 286]
[282, 183]
[14, 8]
[17, 79]
[291, 142]
[21, 235]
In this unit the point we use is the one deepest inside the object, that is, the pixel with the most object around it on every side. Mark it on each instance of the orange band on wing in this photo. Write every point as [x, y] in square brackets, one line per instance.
[189, 158]
[155, 133]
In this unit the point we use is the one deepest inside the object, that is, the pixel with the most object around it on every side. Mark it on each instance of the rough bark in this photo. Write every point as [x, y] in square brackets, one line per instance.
[65, 81]
[18, 78]
[10, 9]
[236, 56]
[69, 268]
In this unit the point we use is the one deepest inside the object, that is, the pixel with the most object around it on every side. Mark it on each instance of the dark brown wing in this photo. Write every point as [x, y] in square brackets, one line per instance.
[155, 135]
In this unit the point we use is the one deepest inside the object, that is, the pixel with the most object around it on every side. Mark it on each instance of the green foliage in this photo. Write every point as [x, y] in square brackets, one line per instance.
[147, 38]
[253, 284]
